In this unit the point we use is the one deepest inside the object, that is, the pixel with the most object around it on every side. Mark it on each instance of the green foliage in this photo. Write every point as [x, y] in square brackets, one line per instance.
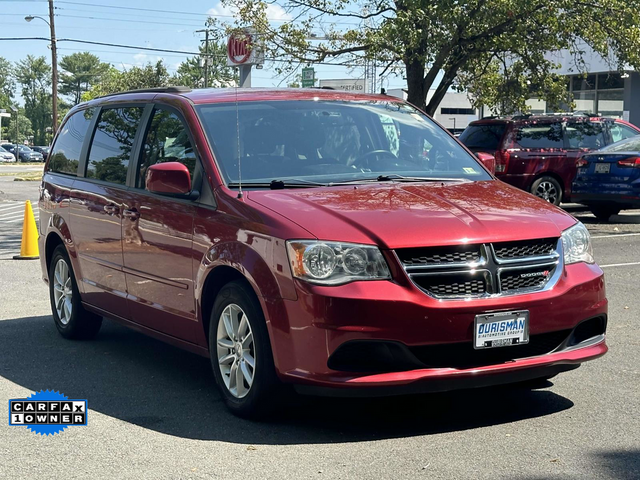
[34, 75]
[7, 84]
[191, 72]
[79, 72]
[9, 127]
[134, 78]
[439, 44]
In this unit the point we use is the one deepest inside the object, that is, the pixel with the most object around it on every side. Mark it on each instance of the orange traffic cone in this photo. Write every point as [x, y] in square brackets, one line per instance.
[29, 245]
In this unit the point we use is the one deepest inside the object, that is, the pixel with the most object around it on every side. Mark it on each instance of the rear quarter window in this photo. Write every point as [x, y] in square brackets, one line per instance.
[65, 155]
[585, 135]
[483, 137]
[538, 136]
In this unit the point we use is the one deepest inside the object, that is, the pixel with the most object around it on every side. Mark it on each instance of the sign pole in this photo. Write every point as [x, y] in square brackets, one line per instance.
[245, 76]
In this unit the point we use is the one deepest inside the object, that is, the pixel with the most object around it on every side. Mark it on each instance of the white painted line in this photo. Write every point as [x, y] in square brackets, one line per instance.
[617, 235]
[9, 215]
[620, 264]
[11, 220]
[12, 207]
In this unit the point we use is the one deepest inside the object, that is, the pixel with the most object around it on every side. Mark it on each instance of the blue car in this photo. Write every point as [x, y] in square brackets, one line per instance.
[608, 180]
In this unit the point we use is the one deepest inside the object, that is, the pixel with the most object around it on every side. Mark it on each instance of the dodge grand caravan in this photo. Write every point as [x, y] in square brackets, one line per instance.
[338, 243]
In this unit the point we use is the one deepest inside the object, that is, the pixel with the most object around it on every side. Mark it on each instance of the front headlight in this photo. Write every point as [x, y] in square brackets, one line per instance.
[333, 263]
[576, 243]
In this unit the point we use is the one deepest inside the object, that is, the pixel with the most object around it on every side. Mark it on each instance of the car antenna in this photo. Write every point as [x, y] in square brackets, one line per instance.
[238, 149]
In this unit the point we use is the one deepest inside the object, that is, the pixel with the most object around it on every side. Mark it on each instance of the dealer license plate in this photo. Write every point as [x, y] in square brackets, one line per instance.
[603, 167]
[501, 329]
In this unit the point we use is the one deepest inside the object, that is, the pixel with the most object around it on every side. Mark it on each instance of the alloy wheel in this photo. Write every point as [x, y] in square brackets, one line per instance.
[236, 351]
[63, 291]
[547, 191]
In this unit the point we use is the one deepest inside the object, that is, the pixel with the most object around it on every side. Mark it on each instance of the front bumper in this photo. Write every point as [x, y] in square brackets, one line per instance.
[305, 333]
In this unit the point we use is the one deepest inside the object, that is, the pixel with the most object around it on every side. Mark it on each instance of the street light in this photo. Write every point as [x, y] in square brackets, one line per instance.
[454, 122]
[15, 110]
[54, 62]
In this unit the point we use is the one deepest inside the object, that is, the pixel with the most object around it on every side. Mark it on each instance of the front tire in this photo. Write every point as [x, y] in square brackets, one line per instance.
[604, 213]
[241, 355]
[549, 189]
[70, 317]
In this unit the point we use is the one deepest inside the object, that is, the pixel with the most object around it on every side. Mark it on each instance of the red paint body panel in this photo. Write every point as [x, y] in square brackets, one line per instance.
[150, 270]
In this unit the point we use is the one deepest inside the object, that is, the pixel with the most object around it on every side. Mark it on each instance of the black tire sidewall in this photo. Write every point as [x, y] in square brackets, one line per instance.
[263, 390]
[555, 182]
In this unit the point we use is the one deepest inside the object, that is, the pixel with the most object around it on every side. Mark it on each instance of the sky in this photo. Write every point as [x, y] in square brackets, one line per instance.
[116, 21]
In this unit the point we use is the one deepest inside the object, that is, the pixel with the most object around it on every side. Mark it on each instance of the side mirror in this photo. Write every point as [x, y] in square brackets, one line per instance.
[171, 178]
[488, 160]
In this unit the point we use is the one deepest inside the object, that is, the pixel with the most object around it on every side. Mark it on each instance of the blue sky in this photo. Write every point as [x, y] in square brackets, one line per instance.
[112, 21]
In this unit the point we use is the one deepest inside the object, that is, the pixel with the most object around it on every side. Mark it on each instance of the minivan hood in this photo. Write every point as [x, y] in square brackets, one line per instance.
[399, 215]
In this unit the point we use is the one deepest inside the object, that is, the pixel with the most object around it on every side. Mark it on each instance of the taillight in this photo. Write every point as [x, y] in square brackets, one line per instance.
[502, 160]
[632, 162]
[581, 162]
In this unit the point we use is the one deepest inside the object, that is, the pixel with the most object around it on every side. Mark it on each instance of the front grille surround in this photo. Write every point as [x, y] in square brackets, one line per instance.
[489, 276]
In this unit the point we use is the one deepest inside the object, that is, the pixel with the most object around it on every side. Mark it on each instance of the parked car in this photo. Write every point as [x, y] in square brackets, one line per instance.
[6, 156]
[608, 180]
[343, 244]
[44, 151]
[538, 153]
[26, 154]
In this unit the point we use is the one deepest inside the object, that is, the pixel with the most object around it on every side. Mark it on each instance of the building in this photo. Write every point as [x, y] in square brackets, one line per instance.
[454, 112]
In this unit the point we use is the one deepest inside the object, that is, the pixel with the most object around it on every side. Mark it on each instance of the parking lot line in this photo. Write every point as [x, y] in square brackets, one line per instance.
[617, 235]
[620, 264]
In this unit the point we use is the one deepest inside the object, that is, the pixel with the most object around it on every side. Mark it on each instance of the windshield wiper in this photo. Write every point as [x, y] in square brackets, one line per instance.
[277, 184]
[394, 177]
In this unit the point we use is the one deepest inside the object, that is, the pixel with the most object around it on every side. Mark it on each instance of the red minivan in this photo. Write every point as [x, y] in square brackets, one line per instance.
[338, 243]
[538, 153]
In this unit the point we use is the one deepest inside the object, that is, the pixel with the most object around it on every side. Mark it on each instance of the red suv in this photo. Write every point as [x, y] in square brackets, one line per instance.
[538, 153]
[340, 243]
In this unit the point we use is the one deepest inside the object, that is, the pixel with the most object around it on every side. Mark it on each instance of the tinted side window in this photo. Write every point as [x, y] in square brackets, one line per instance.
[483, 137]
[620, 131]
[65, 155]
[166, 141]
[587, 135]
[112, 143]
[540, 135]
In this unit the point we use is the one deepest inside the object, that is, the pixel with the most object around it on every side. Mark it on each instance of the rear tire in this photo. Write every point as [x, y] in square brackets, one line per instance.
[604, 213]
[549, 189]
[70, 317]
[241, 355]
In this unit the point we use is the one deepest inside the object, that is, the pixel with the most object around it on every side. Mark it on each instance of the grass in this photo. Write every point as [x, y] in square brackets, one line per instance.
[19, 164]
[28, 177]
[23, 176]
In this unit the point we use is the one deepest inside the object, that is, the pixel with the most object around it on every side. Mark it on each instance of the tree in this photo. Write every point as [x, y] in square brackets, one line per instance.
[439, 44]
[9, 128]
[7, 83]
[34, 75]
[115, 80]
[191, 72]
[81, 70]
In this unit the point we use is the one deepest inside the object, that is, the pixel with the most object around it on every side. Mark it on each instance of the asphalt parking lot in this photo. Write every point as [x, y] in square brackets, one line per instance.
[154, 411]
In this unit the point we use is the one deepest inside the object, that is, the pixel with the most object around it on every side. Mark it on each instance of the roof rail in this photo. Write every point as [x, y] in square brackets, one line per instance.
[172, 89]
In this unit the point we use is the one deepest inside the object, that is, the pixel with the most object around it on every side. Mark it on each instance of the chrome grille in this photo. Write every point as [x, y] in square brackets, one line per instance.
[476, 271]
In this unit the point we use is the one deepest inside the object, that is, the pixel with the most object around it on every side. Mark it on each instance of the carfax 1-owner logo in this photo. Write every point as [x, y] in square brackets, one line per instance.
[47, 412]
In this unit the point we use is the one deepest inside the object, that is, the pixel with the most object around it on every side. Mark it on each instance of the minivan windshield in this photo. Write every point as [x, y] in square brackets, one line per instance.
[320, 142]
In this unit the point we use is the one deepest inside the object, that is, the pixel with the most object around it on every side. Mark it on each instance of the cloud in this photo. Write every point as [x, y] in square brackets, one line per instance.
[274, 12]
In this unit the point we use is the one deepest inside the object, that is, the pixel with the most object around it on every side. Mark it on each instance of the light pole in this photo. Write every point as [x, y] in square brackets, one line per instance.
[15, 110]
[54, 62]
[454, 122]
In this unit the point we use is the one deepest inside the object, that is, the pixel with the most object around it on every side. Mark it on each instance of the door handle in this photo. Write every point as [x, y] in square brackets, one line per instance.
[132, 214]
[111, 209]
